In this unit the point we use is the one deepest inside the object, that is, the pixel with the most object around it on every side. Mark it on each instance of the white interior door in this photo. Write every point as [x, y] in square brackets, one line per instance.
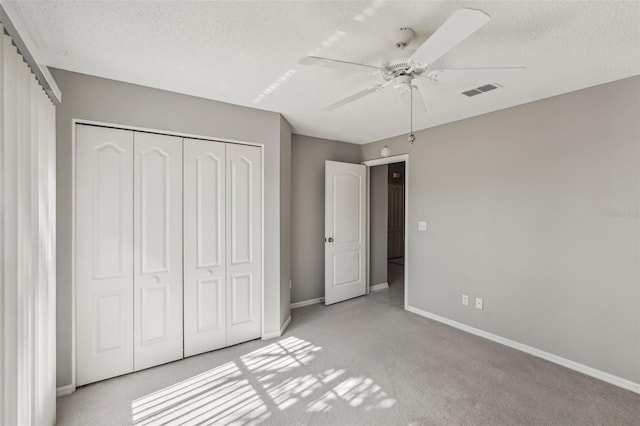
[204, 247]
[244, 243]
[104, 253]
[345, 226]
[157, 194]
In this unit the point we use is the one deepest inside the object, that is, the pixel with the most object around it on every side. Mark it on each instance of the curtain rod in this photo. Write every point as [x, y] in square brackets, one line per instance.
[25, 46]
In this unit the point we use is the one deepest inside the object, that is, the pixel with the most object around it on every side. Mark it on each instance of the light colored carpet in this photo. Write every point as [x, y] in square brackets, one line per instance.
[394, 294]
[361, 362]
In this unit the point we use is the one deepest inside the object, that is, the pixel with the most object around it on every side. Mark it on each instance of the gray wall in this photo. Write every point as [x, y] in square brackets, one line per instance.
[98, 99]
[307, 210]
[379, 212]
[535, 209]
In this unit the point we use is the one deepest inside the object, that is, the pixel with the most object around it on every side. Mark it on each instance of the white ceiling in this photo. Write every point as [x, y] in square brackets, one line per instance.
[235, 51]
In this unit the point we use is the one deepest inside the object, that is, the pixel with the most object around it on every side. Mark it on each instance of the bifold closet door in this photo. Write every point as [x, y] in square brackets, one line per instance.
[104, 253]
[204, 247]
[244, 243]
[157, 194]
[137, 292]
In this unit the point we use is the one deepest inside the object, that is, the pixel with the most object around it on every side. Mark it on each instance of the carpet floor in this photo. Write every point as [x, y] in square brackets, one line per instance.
[361, 362]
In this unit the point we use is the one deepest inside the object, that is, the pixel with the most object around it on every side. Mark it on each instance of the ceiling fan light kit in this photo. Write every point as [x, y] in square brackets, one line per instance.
[402, 83]
[402, 72]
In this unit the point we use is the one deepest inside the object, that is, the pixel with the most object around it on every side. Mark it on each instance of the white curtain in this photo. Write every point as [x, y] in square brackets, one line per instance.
[27, 244]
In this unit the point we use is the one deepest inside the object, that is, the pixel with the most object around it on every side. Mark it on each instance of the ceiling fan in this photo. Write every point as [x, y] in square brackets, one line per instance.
[401, 73]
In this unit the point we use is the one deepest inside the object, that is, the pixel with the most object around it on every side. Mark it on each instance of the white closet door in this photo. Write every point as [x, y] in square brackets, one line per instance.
[244, 243]
[158, 249]
[204, 247]
[104, 253]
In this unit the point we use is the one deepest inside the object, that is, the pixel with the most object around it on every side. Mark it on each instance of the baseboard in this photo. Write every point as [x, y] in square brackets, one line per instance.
[584, 369]
[274, 334]
[377, 287]
[285, 325]
[65, 390]
[307, 303]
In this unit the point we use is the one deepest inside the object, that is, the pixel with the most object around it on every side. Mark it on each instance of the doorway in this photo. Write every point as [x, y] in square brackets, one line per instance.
[387, 231]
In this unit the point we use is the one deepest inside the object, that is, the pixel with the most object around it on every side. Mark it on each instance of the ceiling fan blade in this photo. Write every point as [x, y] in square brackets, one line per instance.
[458, 27]
[419, 106]
[354, 97]
[338, 65]
[418, 101]
[478, 75]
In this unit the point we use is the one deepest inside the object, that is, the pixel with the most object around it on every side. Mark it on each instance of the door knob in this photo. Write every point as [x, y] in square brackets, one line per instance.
[330, 239]
[156, 279]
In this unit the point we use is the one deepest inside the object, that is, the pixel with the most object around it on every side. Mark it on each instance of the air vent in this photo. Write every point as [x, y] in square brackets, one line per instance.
[487, 87]
[471, 92]
[478, 90]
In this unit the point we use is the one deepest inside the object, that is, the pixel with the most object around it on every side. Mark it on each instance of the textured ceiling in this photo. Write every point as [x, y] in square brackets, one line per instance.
[247, 53]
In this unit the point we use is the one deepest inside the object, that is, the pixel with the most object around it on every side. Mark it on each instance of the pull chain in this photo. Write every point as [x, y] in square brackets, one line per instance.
[412, 137]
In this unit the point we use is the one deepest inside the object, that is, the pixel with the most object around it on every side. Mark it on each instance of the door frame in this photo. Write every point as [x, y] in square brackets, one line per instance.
[71, 388]
[403, 158]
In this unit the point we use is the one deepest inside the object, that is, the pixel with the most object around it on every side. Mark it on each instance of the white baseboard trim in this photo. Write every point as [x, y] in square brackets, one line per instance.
[307, 303]
[584, 369]
[273, 334]
[377, 287]
[285, 325]
[65, 390]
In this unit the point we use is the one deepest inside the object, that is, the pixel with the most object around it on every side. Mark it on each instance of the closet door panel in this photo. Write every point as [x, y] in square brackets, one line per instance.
[204, 246]
[104, 252]
[158, 249]
[244, 243]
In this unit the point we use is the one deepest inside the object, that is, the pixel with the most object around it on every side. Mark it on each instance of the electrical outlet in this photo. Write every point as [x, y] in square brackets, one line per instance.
[422, 226]
[478, 303]
[465, 300]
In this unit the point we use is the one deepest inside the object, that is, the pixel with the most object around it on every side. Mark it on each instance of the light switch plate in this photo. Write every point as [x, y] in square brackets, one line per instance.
[478, 303]
[465, 300]
[422, 226]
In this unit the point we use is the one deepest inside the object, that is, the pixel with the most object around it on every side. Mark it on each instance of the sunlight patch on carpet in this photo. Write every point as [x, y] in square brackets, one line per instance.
[247, 391]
